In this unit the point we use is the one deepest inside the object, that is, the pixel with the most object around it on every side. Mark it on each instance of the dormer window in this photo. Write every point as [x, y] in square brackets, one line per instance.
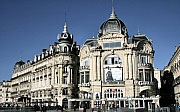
[65, 49]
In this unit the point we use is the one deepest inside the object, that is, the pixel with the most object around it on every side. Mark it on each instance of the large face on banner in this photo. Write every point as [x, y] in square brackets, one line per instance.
[113, 72]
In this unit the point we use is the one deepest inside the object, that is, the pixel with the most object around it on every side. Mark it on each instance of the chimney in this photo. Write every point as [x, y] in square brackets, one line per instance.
[55, 43]
[44, 50]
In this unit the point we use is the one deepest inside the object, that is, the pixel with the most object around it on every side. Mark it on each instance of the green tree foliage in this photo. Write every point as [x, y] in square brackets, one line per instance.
[167, 90]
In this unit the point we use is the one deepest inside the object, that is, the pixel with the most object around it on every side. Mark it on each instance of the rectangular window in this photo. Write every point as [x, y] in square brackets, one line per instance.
[65, 49]
[49, 93]
[44, 93]
[112, 44]
[147, 75]
[86, 77]
[116, 60]
[82, 78]
[106, 45]
[40, 93]
[117, 44]
[65, 91]
[86, 63]
[65, 69]
[143, 59]
[112, 60]
[64, 79]
[141, 77]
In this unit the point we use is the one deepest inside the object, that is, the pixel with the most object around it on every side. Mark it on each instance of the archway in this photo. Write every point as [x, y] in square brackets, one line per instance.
[65, 102]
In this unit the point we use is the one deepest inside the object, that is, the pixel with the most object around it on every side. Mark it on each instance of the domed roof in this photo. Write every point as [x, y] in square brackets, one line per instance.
[19, 63]
[112, 25]
[65, 36]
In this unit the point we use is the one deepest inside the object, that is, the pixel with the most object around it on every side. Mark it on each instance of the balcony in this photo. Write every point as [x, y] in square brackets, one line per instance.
[84, 85]
[145, 65]
[113, 83]
[84, 68]
[176, 81]
[145, 83]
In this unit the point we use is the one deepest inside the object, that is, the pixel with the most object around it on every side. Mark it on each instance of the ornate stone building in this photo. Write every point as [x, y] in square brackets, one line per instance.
[51, 78]
[117, 70]
[5, 93]
[112, 70]
[174, 67]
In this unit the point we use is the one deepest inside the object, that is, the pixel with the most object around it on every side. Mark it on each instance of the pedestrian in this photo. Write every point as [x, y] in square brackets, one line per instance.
[44, 108]
[74, 107]
[84, 109]
[62, 109]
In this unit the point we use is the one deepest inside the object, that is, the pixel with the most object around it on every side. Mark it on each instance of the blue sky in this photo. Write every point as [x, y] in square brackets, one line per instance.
[28, 26]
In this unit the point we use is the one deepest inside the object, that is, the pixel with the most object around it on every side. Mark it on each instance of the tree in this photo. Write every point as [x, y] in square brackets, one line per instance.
[167, 90]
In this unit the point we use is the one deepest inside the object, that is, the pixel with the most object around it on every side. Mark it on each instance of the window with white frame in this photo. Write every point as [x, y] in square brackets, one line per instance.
[84, 77]
[65, 69]
[112, 59]
[143, 59]
[85, 62]
[113, 93]
[64, 79]
[145, 75]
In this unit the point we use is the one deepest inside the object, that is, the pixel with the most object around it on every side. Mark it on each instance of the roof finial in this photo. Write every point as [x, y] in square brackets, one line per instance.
[112, 6]
[20, 58]
[113, 15]
[65, 26]
[139, 30]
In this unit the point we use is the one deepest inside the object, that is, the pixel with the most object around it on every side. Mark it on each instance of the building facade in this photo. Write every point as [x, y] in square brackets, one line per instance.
[117, 70]
[5, 93]
[174, 67]
[112, 70]
[51, 78]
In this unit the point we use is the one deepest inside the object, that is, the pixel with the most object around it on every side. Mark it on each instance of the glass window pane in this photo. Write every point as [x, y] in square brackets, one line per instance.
[86, 77]
[82, 78]
[141, 77]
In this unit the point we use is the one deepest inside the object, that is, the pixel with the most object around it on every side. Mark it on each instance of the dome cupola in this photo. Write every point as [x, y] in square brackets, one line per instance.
[65, 36]
[112, 25]
[19, 63]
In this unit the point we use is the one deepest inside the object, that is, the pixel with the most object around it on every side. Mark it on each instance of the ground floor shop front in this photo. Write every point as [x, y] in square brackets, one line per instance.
[150, 103]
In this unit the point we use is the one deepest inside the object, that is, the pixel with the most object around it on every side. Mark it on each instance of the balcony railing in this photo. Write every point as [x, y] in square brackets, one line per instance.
[120, 82]
[145, 65]
[84, 85]
[145, 83]
[176, 81]
[83, 67]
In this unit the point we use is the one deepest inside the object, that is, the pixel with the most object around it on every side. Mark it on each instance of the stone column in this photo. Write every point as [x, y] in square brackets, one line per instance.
[60, 74]
[136, 75]
[127, 67]
[95, 68]
[98, 64]
[53, 75]
[130, 65]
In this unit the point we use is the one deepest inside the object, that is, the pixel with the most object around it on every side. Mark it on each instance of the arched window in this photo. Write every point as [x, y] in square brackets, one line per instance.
[112, 60]
[113, 71]
[65, 49]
